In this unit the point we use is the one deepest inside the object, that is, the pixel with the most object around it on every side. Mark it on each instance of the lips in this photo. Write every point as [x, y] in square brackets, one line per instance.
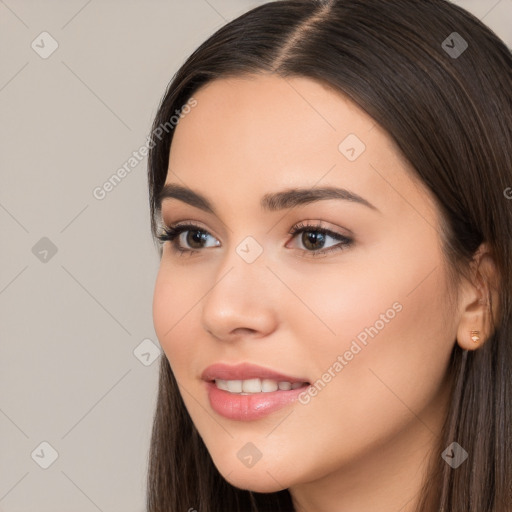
[245, 371]
[221, 380]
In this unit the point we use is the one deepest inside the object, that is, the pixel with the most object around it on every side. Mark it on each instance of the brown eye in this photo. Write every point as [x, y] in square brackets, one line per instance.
[194, 238]
[314, 239]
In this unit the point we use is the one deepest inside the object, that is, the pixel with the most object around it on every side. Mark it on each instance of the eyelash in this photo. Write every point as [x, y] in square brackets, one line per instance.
[171, 234]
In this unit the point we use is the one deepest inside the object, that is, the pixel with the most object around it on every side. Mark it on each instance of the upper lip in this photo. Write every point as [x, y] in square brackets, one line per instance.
[244, 371]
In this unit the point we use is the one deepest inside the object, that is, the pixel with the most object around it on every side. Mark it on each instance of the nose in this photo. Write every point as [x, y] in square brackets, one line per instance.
[241, 301]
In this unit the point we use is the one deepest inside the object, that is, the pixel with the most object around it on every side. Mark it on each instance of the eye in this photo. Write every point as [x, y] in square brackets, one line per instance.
[313, 239]
[194, 237]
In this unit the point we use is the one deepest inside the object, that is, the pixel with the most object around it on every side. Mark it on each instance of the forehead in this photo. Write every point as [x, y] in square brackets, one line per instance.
[272, 113]
[258, 133]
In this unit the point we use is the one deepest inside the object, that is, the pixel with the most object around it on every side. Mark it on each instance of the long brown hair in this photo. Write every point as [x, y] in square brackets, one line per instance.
[451, 116]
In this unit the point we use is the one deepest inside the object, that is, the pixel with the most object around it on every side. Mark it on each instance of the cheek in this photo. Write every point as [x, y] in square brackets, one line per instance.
[394, 333]
[173, 303]
[394, 359]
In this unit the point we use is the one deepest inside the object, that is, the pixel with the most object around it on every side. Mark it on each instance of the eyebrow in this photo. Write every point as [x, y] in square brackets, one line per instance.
[271, 202]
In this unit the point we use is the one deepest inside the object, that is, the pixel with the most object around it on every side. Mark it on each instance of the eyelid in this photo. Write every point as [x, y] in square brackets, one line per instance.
[173, 232]
[322, 225]
[318, 224]
[186, 222]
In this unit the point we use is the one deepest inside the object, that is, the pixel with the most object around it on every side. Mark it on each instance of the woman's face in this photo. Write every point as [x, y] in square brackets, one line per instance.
[361, 313]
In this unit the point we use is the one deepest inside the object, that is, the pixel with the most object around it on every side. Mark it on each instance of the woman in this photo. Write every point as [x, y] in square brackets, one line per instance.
[333, 299]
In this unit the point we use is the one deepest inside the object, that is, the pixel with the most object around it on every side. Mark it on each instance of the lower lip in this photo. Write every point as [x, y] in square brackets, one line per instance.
[249, 407]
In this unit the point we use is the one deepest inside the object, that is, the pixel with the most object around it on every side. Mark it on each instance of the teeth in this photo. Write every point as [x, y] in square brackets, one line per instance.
[250, 386]
[222, 384]
[269, 385]
[234, 386]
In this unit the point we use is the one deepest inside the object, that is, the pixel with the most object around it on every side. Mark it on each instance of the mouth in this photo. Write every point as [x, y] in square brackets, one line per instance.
[248, 392]
[257, 385]
[248, 378]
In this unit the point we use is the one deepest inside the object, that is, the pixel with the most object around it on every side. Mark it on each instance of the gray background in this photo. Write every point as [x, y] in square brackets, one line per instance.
[75, 371]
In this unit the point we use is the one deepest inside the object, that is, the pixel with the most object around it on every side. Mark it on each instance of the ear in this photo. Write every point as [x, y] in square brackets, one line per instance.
[478, 301]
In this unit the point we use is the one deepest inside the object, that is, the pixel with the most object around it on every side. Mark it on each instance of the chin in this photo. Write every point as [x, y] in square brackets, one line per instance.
[257, 482]
[258, 478]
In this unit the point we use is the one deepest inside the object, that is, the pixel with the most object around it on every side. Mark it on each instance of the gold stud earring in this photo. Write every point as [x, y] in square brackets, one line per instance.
[475, 336]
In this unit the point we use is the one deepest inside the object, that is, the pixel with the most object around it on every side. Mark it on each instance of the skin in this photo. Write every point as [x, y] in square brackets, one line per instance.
[361, 444]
